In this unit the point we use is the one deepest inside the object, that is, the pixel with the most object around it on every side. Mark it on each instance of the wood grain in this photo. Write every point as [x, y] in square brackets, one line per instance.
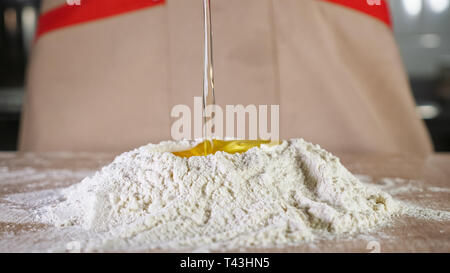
[29, 172]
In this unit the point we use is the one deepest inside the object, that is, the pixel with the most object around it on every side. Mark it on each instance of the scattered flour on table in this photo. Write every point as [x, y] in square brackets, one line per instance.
[271, 196]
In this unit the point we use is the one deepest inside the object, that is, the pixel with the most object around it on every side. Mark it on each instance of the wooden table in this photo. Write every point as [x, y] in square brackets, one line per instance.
[423, 181]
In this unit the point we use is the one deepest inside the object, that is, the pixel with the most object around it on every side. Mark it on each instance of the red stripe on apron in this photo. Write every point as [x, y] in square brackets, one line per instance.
[88, 10]
[67, 15]
[376, 8]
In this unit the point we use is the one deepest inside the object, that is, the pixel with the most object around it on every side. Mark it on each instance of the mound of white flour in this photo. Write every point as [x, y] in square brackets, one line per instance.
[269, 196]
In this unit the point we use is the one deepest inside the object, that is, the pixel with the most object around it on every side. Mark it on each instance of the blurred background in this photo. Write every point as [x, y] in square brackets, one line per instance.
[421, 28]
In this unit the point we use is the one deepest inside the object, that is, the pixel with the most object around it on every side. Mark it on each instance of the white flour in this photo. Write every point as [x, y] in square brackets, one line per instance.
[269, 196]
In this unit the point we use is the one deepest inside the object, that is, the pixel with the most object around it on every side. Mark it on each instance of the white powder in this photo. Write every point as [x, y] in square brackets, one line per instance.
[280, 195]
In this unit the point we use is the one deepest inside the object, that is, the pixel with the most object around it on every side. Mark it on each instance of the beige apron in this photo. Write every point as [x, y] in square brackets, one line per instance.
[110, 84]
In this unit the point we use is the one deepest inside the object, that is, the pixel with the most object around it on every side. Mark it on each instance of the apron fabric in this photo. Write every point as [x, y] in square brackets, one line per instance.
[107, 81]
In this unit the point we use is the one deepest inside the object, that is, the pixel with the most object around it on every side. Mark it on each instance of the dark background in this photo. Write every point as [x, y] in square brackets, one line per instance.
[421, 28]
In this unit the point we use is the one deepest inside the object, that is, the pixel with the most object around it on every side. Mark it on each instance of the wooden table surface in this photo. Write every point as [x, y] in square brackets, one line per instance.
[422, 181]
